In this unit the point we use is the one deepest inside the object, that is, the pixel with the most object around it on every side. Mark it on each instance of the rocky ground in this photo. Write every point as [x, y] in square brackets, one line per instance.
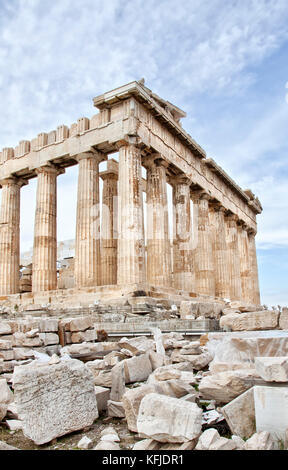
[226, 391]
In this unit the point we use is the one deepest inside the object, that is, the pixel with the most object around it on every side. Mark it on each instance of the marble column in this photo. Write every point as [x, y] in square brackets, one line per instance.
[10, 235]
[222, 288]
[233, 257]
[245, 267]
[158, 240]
[183, 268]
[255, 291]
[131, 246]
[203, 251]
[109, 221]
[44, 275]
[87, 242]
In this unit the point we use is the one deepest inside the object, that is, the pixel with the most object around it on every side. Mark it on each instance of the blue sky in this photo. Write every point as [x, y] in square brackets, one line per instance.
[224, 62]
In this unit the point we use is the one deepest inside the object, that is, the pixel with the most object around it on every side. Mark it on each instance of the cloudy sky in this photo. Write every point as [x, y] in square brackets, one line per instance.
[223, 62]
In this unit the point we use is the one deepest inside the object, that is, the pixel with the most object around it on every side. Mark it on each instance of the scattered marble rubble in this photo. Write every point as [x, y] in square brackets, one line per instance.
[173, 393]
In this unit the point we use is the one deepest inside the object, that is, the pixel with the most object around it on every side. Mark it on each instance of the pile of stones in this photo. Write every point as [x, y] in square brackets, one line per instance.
[236, 315]
[170, 392]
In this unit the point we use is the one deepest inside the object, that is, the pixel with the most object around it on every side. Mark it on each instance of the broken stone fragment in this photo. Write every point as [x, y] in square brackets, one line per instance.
[3, 411]
[167, 419]
[137, 368]
[192, 397]
[192, 348]
[12, 412]
[225, 386]
[229, 311]
[32, 333]
[103, 379]
[115, 409]
[243, 307]
[54, 360]
[173, 388]
[261, 441]
[138, 345]
[203, 309]
[21, 340]
[85, 443]
[7, 355]
[113, 358]
[102, 396]
[283, 320]
[5, 344]
[82, 336]
[117, 382]
[4, 446]
[263, 320]
[223, 444]
[212, 417]
[5, 328]
[272, 369]
[14, 424]
[6, 396]
[167, 374]
[106, 445]
[240, 444]
[209, 437]
[21, 354]
[240, 414]
[49, 338]
[54, 400]
[157, 360]
[147, 444]
[197, 361]
[109, 434]
[131, 403]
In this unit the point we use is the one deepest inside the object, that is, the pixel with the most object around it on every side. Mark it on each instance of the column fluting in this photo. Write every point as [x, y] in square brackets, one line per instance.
[131, 245]
[10, 235]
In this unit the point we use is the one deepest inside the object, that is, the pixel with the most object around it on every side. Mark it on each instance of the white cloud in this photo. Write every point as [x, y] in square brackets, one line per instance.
[55, 56]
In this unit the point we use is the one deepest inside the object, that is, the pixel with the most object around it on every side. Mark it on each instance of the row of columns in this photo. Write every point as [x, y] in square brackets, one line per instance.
[218, 260]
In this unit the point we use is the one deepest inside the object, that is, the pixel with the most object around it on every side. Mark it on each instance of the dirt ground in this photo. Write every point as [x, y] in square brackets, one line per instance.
[70, 441]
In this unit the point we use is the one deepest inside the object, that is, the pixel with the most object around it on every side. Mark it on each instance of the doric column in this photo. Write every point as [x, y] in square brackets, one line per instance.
[131, 247]
[87, 243]
[222, 288]
[158, 242]
[233, 257]
[254, 292]
[44, 275]
[245, 267]
[109, 221]
[10, 235]
[203, 251]
[183, 269]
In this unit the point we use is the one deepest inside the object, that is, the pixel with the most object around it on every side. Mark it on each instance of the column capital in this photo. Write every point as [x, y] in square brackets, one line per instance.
[179, 179]
[232, 217]
[252, 232]
[243, 225]
[129, 141]
[13, 180]
[99, 156]
[199, 194]
[155, 159]
[217, 207]
[50, 169]
[111, 172]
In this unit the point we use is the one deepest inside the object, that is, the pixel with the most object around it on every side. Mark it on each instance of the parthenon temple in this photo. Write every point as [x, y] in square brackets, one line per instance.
[118, 249]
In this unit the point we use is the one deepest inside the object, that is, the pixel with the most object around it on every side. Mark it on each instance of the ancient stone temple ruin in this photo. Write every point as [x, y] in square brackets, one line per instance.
[212, 255]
